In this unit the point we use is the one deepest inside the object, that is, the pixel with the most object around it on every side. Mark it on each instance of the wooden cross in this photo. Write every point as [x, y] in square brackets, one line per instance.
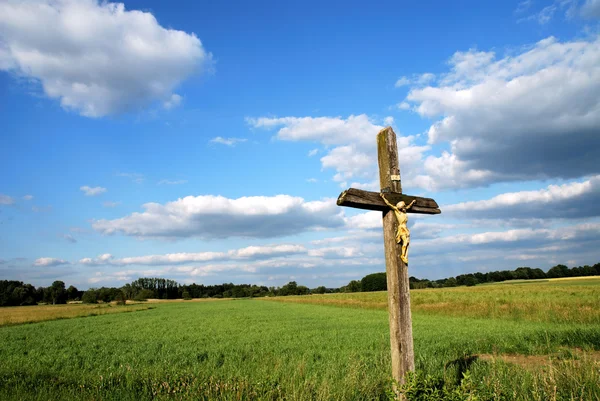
[401, 339]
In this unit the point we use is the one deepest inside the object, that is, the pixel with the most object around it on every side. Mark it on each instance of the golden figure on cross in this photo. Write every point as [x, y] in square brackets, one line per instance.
[402, 234]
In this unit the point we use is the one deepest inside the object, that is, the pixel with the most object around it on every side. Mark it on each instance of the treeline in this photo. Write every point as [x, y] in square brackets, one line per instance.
[15, 293]
[377, 281]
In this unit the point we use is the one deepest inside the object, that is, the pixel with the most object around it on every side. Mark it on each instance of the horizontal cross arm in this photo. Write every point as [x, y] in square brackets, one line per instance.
[367, 200]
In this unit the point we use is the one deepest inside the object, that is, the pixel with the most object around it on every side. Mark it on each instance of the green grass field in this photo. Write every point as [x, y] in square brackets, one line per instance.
[263, 350]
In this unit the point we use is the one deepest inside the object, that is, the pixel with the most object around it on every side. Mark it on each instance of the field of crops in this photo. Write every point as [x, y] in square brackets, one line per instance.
[263, 350]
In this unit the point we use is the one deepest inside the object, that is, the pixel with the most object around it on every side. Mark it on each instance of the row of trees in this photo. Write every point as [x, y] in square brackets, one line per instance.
[14, 293]
[151, 288]
[377, 281]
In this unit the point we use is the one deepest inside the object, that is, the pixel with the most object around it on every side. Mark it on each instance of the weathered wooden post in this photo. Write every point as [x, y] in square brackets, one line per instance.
[401, 339]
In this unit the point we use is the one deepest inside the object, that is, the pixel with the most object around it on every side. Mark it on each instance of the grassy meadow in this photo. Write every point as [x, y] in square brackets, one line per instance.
[40, 313]
[570, 300]
[255, 349]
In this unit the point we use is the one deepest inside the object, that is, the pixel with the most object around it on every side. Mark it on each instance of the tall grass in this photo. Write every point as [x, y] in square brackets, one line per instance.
[553, 301]
[39, 313]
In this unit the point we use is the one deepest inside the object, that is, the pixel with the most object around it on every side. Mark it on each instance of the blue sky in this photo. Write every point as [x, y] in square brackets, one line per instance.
[207, 143]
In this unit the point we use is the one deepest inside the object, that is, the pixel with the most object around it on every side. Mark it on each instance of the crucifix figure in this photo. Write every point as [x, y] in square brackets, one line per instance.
[396, 238]
[402, 233]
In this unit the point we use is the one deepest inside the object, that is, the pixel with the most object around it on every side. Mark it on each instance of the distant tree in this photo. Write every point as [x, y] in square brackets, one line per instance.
[374, 282]
[302, 290]
[353, 286]
[186, 295]
[121, 298]
[522, 273]
[57, 292]
[558, 271]
[450, 282]
[470, 281]
[129, 291]
[290, 288]
[90, 297]
[73, 294]
[144, 295]
[319, 290]
[537, 274]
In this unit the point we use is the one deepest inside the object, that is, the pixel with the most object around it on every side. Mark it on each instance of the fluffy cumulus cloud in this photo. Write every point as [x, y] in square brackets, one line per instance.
[533, 115]
[351, 141]
[572, 200]
[92, 191]
[210, 216]
[97, 58]
[252, 263]
[512, 239]
[247, 253]
[49, 262]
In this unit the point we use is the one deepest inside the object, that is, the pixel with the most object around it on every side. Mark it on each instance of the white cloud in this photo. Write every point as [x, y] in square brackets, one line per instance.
[312, 180]
[28, 197]
[172, 182]
[517, 237]
[174, 101]
[92, 191]
[313, 152]
[327, 130]
[49, 262]
[6, 200]
[389, 120]
[534, 115]
[336, 251]
[354, 153]
[110, 204]
[96, 57]
[365, 221]
[219, 217]
[404, 106]
[416, 80]
[247, 253]
[575, 200]
[228, 141]
[349, 162]
[402, 81]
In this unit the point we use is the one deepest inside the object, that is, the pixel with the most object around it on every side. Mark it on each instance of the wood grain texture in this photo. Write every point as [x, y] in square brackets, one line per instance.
[401, 338]
[388, 165]
[368, 200]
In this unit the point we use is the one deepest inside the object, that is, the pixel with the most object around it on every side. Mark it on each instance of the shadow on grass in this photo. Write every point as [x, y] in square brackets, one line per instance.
[462, 366]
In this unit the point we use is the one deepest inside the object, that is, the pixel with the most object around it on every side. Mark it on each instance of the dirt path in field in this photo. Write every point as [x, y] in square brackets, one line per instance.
[574, 356]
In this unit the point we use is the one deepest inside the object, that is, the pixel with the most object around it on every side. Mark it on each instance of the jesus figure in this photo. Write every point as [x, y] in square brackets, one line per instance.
[402, 234]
